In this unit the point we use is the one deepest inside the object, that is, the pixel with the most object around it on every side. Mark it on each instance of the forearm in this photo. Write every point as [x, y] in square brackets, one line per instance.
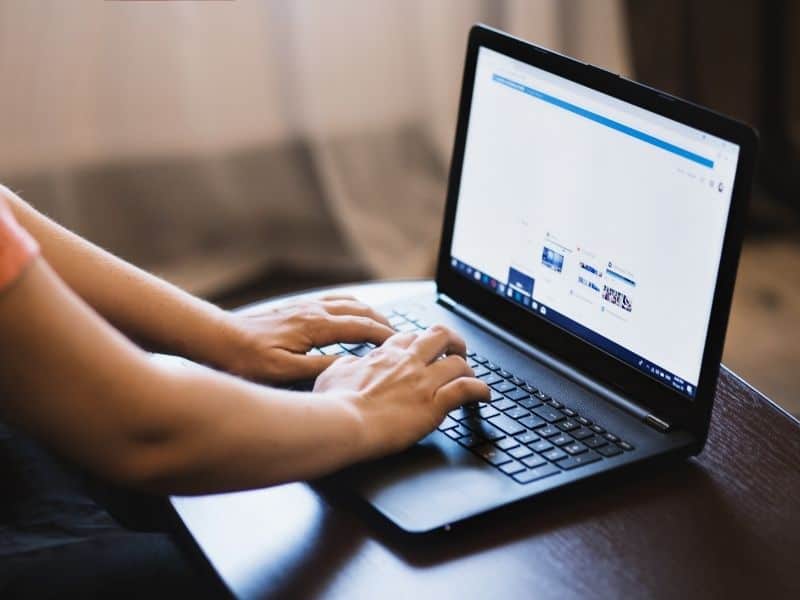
[76, 384]
[229, 434]
[156, 314]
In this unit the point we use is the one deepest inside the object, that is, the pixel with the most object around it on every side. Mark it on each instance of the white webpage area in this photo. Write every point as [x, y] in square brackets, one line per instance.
[619, 234]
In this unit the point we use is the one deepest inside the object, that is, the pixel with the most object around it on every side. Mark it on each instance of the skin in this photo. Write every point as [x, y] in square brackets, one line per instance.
[74, 379]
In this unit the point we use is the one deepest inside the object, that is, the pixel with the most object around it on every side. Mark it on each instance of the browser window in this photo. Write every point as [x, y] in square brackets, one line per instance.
[599, 216]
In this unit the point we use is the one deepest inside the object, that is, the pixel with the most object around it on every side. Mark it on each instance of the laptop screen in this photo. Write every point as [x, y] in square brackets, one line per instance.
[599, 216]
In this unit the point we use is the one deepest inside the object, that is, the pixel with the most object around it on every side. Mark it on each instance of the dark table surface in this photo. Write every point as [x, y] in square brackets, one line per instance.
[723, 524]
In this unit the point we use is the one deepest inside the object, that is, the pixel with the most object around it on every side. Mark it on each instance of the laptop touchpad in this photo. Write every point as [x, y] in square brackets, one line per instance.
[435, 481]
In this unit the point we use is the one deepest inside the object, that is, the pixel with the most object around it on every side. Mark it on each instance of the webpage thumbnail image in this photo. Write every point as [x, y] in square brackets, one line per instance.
[552, 259]
[618, 286]
[590, 276]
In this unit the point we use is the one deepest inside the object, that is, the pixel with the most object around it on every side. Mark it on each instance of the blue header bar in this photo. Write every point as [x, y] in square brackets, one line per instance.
[597, 118]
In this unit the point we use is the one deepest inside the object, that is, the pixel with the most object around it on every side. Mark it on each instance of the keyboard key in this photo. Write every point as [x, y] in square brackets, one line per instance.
[574, 448]
[504, 404]
[516, 380]
[583, 421]
[517, 412]
[626, 446]
[562, 439]
[484, 429]
[480, 370]
[495, 396]
[517, 394]
[504, 374]
[488, 411]
[470, 441]
[548, 413]
[610, 437]
[541, 395]
[579, 460]
[491, 366]
[520, 452]
[554, 454]
[529, 402]
[595, 441]
[548, 431]
[448, 423]
[534, 461]
[511, 468]
[536, 473]
[532, 422]
[527, 438]
[503, 386]
[480, 359]
[508, 443]
[362, 350]
[507, 425]
[528, 388]
[581, 433]
[455, 434]
[332, 349]
[491, 379]
[597, 429]
[464, 412]
[555, 403]
[460, 430]
[609, 450]
[567, 425]
[541, 446]
[569, 412]
[492, 455]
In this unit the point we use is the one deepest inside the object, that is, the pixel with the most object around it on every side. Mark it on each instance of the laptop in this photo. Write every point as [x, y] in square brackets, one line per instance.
[591, 237]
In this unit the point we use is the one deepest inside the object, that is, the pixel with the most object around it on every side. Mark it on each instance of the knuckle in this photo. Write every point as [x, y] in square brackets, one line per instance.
[438, 329]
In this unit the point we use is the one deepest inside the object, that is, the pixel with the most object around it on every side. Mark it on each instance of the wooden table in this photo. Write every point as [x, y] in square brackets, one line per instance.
[725, 524]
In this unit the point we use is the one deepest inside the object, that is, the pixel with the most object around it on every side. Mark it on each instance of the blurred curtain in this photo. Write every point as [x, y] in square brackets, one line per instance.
[225, 111]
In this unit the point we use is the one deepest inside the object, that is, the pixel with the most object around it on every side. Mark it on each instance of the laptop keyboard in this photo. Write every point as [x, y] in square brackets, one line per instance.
[522, 431]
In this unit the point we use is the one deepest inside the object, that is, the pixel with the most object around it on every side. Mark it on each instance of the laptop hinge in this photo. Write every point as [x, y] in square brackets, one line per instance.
[656, 423]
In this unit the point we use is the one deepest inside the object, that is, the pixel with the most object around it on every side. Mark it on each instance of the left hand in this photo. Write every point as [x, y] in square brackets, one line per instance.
[271, 344]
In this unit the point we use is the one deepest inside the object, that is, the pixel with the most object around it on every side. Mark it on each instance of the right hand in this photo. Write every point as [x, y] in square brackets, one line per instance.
[403, 389]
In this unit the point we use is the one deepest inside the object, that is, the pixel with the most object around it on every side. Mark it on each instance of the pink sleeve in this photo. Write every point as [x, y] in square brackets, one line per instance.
[17, 247]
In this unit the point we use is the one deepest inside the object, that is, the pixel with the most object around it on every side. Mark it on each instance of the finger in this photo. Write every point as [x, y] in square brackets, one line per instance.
[353, 307]
[447, 369]
[438, 340]
[337, 297]
[401, 340]
[348, 328]
[460, 391]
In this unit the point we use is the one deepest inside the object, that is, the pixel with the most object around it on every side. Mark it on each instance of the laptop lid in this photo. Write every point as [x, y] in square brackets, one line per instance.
[598, 219]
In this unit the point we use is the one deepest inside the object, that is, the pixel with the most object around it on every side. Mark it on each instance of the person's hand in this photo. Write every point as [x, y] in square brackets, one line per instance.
[402, 390]
[271, 344]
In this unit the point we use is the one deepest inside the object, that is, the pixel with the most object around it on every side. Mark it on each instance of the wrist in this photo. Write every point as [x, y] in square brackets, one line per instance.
[222, 341]
[357, 438]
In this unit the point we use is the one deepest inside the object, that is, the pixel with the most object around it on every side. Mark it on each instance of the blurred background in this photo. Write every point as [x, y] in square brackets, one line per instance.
[252, 147]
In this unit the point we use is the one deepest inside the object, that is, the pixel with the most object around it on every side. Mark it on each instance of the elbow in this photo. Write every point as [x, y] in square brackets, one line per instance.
[148, 468]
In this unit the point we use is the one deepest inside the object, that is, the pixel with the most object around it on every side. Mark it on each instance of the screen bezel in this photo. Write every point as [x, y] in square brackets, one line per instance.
[668, 404]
